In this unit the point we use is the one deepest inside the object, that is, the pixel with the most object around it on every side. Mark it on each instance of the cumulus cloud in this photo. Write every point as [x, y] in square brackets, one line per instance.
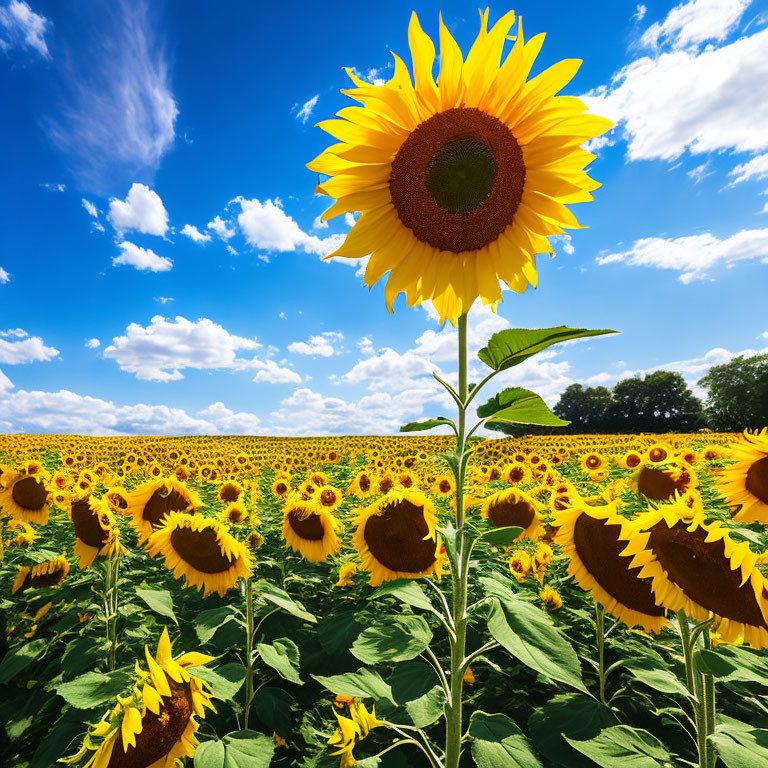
[271, 373]
[267, 227]
[193, 233]
[93, 343]
[693, 255]
[703, 101]
[323, 345]
[91, 209]
[27, 349]
[141, 258]
[303, 112]
[14, 333]
[221, 228]
[21, 27]
[142, 210]
[4, 277]
[5, 382]
[118, 115]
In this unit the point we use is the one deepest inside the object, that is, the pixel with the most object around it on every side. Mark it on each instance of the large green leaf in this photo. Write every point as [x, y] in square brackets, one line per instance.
[738, 744]
[408, 591]
[240, 749]
[274, 707]
[621, 746]
[655, 674]
[159, 600]
[502, 537]
[20, 658]
[364, 683]
[283, 656]
[411, 680]
[514, 345]
[498, 743]
[225, 681]
[427, 709]
[732, 663]
[528, 633]
[400, 638]
[420, 426]
[207, 623]
[279, 597]
[515, 405]
[94, 688]
[337, 632]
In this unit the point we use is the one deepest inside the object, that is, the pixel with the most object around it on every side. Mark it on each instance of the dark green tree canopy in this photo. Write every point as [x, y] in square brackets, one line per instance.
[737, 394]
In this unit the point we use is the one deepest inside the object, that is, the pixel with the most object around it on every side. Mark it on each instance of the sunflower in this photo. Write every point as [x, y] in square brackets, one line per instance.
[594, 539]
[154, 725]
[396, 537]
[459, 182]
[631, 460]
[659, 484]
[202, 551]
[329, 498]
[512, 507]
[95, 530]
[25, 535]
[235, 512]
[230, 491]
[746, 482]
[151, 502]
[444, 486]
[593, 462]
[361, 486]
[24, 496]
[659, 452]
[281, 486]
[309, 529]
[49, 573]
[520, 564]
[697, 568]
[515, 473]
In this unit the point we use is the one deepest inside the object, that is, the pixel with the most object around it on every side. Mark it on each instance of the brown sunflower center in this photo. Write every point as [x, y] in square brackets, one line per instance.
[593, 462]
[229, 492]
[395, 537]
[657, 454]
[516, 474]
[633, 460]
[445, 486]
[703, 572]
[86, 523]
[658, 485]
[307, 526]
[511, 512]
[29, 494]
[365, 483]
[598, 546]
[159, 505]
[159, 733]
[458, 179]
[328, 498]
[52, 579]
[200, 549]
[757, 479]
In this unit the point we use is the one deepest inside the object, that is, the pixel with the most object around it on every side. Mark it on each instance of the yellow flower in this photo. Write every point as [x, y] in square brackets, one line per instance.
[551, 598]
[346, 575]
[520, 564]
[469, 676]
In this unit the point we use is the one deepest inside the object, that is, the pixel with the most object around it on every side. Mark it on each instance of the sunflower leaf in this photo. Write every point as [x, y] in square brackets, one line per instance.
[398, 638]
[225, 681]
[274, 707]
[738, 744]
[283, 656]
[515, 405]
[159, 600]
[420, 426]
[94, 688]
[515, 345]
[502, 537]
[408, 591]
[239, 749]
[279, 597]
[20, 658]
[497, 742]
[208, 622]
[621, 745]
[364, 683]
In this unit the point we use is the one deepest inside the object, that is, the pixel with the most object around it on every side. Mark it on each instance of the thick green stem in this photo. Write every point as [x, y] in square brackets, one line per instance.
[248, 651]
[459, 574]
[600, 633]
[709, 705]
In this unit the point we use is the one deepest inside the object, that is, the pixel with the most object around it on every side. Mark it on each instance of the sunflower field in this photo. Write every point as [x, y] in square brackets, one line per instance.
[262, 601]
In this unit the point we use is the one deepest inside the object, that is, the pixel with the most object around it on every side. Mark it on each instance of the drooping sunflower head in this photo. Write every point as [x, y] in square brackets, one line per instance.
[153, 725]
[745, 483]
[24, 533]
[150, 503]
[309, 529]
[661, 484]
[361, 486]
[396, 537]
[595, 540]
[201, 550]
[95, 529]
[459, 181]
[235, 512]
[49, 573]
[512, 507]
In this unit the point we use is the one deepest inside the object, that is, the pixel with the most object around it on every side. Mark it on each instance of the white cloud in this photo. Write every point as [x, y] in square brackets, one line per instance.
[765, 334]
[93, 343]
[14, 333]
[695, 22]
[29, 349]
[323, 345]
[318, 223]
[694, 255]
[756, 168]
[164, 299]
[365, 345]
[228, 422]
[195, 234]
[390, 370]
[58, 187]
[708, 101]
[271, 373]
[221, 228]
[119, 113]
[267, 227]
[90, 208]
[4, 277]
[5, 383]
[142, 210]
[141, 258]
[306, 109]
[23, 28]
[640, 12]
[700, 172]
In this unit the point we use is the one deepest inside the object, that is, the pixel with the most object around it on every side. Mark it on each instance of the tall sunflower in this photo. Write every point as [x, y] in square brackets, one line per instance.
[746, 482]
[595, 540]
[396, 537]
[95, 529]
[310, 529]
[202, 551]
[512, 507]
[25, 496]
[154, 725]
[459, 182]
[148, 504]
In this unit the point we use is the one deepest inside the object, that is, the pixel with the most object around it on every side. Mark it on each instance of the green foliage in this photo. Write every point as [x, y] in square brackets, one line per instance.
[420, 426]
[519, 406]
[398, 638]
[240, 749]
[159, 600]
[498, 743]
[737, 394]
[623, 747]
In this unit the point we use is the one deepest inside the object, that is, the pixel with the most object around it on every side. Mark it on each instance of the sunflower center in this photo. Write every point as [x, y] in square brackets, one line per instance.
[657, 485]
[328, 498]
[516, 474]
[229, 492]
[598, 546]
[86, 523]
[40, 580]
[457, 180]
[200, 549]
[703, 572]
[757, 479]
[395, 537]
[159, 733]
[365, 483]
[308, 527]
[29, 494]
[510, 512]
[160, 505]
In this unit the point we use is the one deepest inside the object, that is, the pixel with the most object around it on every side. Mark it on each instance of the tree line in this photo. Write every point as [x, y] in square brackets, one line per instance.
[737, 398]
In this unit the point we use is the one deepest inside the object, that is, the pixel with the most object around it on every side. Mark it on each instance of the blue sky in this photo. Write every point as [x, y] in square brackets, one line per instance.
[160, 250]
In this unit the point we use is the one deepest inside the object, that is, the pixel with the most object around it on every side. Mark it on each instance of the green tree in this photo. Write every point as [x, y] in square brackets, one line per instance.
[587, 408]
[737, 394]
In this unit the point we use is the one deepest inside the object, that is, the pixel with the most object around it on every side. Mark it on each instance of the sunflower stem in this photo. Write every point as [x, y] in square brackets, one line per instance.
[600, 634]
[709, 704]
[248, 651]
